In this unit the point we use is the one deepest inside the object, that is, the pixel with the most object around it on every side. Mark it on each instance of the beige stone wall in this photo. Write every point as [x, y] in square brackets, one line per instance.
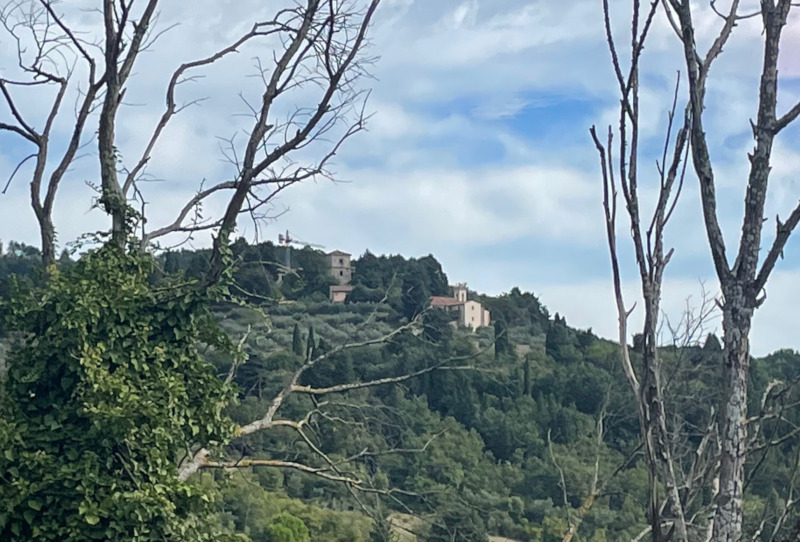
[341, 268]
[472, 315]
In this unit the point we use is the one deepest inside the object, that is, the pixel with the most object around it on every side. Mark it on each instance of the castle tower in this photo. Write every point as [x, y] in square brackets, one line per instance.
[460, 292]
[340, 266]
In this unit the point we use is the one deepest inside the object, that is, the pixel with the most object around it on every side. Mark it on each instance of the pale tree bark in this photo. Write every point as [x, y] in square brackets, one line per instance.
[205, 457]
[320, 52]
[651, 259]
[597, 484]
[40, 36]
[742, 283]
[322, 46]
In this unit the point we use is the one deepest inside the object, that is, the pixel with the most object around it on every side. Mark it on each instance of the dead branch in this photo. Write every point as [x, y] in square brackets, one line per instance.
[742, 283]
[323, 47]
[321, 118]
[200, 457]
[650, 257]
[54, 44]
[594, 488]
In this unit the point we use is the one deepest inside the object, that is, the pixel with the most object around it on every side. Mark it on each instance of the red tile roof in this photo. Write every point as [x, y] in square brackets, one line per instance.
[443, 301]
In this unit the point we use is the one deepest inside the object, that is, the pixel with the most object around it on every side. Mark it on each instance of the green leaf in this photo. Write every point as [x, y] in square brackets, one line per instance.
[29, 516]
[35, 504]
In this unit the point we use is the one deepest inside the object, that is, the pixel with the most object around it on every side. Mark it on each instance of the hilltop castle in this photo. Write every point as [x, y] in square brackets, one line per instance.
[470, 313]
[341, 269]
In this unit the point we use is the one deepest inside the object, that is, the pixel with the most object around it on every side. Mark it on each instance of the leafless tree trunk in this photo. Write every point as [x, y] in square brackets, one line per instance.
[40, 35]
[651, 259]
[322, 46]
[742, 284]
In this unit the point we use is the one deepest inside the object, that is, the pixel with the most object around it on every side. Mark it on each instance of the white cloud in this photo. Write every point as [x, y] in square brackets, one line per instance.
[591, 304]
[431, 210]
[417, 188]
[464, 14]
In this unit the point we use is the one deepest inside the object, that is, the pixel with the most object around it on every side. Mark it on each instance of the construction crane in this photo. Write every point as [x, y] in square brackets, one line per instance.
[287, 240]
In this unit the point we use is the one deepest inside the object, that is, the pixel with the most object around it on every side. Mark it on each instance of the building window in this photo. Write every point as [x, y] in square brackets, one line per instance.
[341, 273]
[341, 261]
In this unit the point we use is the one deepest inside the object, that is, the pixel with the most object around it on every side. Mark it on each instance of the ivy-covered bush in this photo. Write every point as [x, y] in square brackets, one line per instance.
[105, 392]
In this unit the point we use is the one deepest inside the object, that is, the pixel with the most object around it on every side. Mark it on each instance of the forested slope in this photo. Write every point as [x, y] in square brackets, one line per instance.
[523, 430]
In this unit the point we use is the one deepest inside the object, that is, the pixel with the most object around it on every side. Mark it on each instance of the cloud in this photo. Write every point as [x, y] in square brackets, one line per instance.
[591, 304]
[478, 150]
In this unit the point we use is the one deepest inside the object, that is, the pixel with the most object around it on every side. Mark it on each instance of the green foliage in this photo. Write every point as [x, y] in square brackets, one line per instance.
[415, 294]
[458, 523]
[381, 530]
[287, 528]
[119, 389]
[21, 260]
[437, 328]
[408, 284]
[261, 513]
[518, 309]
[297, 341]
[502, 346]
[105, 391]
[257, 268]
[311, 343]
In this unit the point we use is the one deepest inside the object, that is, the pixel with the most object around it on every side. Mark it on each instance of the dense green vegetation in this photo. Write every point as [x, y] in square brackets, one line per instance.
[86, 441]
[503, 441]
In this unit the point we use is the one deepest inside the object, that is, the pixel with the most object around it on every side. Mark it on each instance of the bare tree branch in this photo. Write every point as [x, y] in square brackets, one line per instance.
[787, 118]
[44, 208]
[200, 457]
[783, 232]
[258, 30]
[251, 166]
[743, 283]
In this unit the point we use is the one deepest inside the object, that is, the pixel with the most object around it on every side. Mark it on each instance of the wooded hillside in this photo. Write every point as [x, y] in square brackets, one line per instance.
[524, 430]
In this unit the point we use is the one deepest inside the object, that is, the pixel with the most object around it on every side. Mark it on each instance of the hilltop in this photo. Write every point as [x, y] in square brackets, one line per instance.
[512, 442]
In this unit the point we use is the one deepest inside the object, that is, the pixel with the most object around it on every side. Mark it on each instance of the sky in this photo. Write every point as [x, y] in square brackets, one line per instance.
[477, 151]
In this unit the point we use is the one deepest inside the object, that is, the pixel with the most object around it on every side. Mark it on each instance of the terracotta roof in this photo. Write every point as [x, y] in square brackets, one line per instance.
[443, 301]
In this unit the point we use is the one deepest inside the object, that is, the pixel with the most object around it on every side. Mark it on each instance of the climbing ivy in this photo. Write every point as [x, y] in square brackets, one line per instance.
[106, 391]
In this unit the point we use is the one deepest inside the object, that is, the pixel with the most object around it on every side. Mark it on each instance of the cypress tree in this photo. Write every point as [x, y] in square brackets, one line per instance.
[297, 341]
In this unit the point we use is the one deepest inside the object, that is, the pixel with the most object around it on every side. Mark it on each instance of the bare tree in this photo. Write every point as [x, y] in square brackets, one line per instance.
[320, 50]
[651, 259]
[321, 46]
[47, 53]
[742, 284]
